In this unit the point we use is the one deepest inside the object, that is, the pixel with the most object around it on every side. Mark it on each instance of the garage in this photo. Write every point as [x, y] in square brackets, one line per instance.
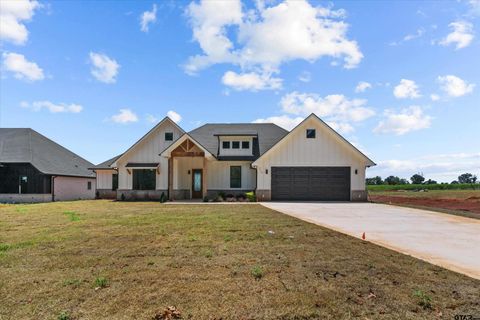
[311, 183]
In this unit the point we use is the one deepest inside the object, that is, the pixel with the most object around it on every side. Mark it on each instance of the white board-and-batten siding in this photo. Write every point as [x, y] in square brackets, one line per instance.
[104, 179]
[326, 149]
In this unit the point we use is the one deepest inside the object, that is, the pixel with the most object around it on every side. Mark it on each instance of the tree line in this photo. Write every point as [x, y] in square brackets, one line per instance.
[418, 178]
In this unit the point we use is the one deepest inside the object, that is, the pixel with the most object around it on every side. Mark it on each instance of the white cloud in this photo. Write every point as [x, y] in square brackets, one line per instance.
[407, 120]
[305, 76]
[147, 18]
[21, 67]
[434, 97]
[283, 121]
[461, 35]
[440, 167]
[362, 86]
[420, 32]
[104, 68]
[52, 107]
[406, 89]
[13, 14]
[174, 116]
[454, 86]
[268, 35]
[251, 81]
[151, 118]
[341, 127]
[474, 7]
[124, 116]
[335, 107]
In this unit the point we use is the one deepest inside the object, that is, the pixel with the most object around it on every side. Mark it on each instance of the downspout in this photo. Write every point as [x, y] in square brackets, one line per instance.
[53, 188]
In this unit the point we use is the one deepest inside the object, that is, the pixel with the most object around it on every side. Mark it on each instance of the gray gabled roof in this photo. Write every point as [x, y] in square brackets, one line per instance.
[106, 164]
[268, 135]
[24, 145]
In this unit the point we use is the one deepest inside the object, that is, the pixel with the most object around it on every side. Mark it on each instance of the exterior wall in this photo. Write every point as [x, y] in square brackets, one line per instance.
[218, 175]
[236, 152]
[72, 188]
[104, 179]
[25, 198]
[148, 151]
[327, 149]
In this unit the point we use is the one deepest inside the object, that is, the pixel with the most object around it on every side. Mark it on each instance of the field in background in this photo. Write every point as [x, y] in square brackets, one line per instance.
[458, 186]
[460, 202]
[125, 260]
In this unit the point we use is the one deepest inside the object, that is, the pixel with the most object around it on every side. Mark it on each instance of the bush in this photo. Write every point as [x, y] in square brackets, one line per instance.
[241, 197]
[257, 272]
[64, 316]
[205, 199]
[222, 195]
[101, 282]
[163, 198]
[424, 300]
[251, 196]
[122, 197]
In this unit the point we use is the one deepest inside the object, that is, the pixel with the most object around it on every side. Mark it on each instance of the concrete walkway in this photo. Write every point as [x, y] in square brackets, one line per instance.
[449, 241]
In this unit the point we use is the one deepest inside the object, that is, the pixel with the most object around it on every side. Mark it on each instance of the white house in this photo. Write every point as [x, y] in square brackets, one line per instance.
[311, 162]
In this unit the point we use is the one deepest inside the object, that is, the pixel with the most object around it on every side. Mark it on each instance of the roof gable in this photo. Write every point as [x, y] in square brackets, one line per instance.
[314, 117]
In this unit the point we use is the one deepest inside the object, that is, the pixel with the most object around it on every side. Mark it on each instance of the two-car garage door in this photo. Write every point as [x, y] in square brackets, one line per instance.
[311, 183]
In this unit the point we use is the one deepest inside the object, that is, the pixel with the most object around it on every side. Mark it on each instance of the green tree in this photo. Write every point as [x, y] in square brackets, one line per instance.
[392, 180]
[374, 181]
[417, 178]
[467, 178]
[430, 181]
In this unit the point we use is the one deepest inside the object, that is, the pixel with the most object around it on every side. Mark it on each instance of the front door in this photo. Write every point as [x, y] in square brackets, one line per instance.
[197, 183]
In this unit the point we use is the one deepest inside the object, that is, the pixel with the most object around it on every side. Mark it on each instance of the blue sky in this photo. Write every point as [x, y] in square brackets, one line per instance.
[400, 80]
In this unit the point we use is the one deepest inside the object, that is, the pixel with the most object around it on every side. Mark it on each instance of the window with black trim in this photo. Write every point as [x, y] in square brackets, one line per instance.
[89, 185]
[115, 181]
[235, 144]
[144, 179]
[235, 177]
[226, 144]
[245, 144]
[311, 133]
[168, 136]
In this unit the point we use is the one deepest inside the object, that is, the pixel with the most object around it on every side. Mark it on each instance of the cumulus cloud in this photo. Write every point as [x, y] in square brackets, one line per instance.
[335, 107]
[440, 167]
[13, 15]
[268, 35]
[52, 107]
[104, 69]
[21, 67]
[362, 86]
[407, 120]
[461, 35]
[124, 116]
[434, 97]
[455, 86]
[251, 81]
[174, 116]
[147, 18]
[283, 121]
[406, 89]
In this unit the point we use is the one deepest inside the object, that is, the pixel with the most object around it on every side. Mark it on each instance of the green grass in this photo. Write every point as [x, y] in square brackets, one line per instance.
[460, 186]
[210, 261]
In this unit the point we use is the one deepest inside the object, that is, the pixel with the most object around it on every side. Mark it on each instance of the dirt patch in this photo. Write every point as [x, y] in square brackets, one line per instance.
[471, 204]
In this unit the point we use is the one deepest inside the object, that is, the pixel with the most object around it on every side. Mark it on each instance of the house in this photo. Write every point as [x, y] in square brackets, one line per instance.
[311, 162]
[33, 168]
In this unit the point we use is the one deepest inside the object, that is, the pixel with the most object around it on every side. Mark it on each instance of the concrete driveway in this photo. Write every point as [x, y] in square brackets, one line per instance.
[446, 240]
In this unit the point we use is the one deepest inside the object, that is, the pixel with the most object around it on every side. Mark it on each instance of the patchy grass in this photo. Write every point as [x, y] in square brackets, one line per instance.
[458, 202]
[210, 261]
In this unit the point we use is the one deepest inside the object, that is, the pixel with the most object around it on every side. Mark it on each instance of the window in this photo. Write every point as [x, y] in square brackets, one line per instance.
[226, 144]
[115, 181]
[310, 133]
[89, 185]
[245, 144]
[168, 136]
[144, 179]
[235, 177]
[235, 144]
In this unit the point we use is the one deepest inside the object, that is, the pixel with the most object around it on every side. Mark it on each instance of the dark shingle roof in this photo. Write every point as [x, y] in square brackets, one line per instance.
[106, 164]
[24, 145]
[268, 135]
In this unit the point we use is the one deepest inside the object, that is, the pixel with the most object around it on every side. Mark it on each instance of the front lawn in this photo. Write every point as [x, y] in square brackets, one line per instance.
[131, 260]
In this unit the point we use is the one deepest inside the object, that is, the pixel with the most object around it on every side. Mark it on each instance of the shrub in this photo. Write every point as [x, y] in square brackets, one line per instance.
[64, 315]
[251, 196]
[257, 272]
[122, 197]
[205, 199]
[222, 195]
[241, 197]
[163, 198]
[101, 282]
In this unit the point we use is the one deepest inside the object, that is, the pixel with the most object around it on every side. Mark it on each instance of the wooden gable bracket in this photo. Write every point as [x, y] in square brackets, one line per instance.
[158, 170]
[129, 172]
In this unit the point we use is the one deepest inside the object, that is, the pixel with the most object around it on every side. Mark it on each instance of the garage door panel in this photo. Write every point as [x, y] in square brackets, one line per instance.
[311, 183]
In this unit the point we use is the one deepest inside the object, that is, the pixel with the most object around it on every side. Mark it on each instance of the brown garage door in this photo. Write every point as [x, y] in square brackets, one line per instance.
[311, 183]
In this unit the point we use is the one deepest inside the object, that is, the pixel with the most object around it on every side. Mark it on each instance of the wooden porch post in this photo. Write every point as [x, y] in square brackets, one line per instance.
[170, 178]
[204, 180]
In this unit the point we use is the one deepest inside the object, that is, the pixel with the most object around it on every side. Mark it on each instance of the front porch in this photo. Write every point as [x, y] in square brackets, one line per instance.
[187, 170]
